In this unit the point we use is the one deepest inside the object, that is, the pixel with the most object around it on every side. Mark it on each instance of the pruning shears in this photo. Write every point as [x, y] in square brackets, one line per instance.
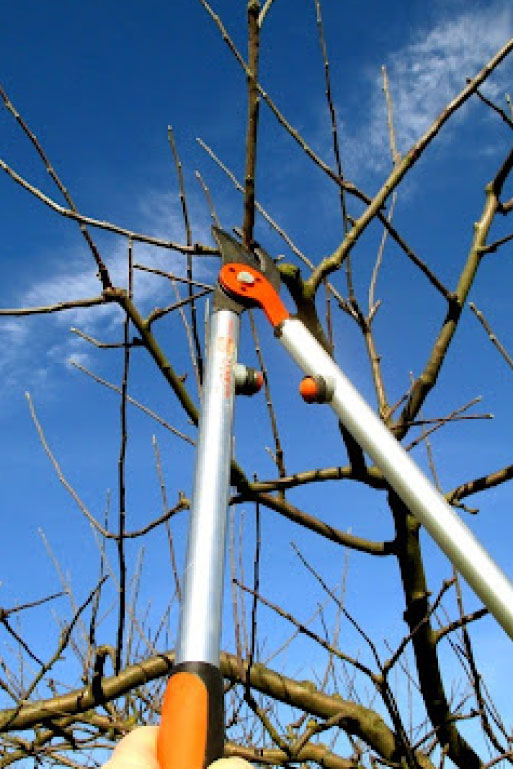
[191, 733]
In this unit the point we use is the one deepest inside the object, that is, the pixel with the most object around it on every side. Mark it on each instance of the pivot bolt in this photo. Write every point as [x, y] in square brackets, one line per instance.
[246, 278]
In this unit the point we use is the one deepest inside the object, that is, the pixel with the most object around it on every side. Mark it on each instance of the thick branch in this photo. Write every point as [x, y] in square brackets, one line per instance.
[371, 477]
[318, 753]
[156, 353]
[481, 484]
[353, 718]
[325, 530]
[424, 639]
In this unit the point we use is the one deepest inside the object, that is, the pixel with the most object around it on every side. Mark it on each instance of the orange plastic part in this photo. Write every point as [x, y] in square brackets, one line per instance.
[308, 389]
[246, 282]
[182, 736]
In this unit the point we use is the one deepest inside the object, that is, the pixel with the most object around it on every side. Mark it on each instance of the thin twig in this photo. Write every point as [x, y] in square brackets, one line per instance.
[492, 247]
[30, 605]
[252, 122]
[389, 664]
[256, 589]
[197, 249]
[460, 623]
[159, 312]
[198, 358]
[134, 402]
[73, 305]
[268, 399]
[264, 11]
[233, 575]
[270, 221]
[182, 504]
[491, 335]
[396, 158]
[121, 477]
[165, 506]
[102, 270]
[315, 524]
[96, 602]
[371, 476]
[338, 603]
[495, 108]
[310, 633]
[63, 642]
[442, 421]
[481, 484]
[173, 276]
[210, 202]
[336, 259]
[336, 152]
[19, 640]
[101, 345]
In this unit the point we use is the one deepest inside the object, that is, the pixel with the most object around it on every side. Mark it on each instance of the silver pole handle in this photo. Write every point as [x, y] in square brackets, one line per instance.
[199, 635]
[411, 485]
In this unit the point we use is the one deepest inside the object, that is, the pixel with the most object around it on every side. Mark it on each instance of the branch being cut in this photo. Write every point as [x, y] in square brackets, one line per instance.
[353, 718]
[197, 248]
[252, 124]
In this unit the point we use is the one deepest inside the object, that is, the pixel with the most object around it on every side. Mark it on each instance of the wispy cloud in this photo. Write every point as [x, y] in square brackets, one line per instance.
[428, 72]
[74, 277]
[27, 358]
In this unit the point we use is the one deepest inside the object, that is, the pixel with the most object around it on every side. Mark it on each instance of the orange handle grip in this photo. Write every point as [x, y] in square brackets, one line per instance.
[191, 732]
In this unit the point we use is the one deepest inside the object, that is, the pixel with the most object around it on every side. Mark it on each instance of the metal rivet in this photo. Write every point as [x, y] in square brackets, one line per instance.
[245, 277]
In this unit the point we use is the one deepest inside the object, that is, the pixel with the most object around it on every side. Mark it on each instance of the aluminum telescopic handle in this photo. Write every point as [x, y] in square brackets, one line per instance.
[191, 733]
[403, 475]
[199, 636]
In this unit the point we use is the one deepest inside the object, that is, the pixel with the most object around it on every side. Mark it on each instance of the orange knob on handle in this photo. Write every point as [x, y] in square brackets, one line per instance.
[316, 389]
[191, 733]
[309, 389]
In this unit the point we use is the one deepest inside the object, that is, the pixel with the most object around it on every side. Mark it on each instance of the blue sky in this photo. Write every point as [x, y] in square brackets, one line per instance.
[99, 83]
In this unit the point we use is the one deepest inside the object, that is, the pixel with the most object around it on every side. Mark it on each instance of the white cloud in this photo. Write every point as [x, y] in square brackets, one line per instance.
[72, 276]
[428, 72]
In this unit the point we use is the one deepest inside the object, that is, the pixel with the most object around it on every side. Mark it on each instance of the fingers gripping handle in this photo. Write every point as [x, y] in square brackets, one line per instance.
[191, 732]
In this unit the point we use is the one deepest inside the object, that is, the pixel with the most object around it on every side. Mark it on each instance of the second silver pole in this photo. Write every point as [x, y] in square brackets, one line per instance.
[403, 475]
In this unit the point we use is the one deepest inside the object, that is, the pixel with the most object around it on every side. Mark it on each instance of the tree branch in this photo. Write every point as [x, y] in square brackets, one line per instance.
[333, 262]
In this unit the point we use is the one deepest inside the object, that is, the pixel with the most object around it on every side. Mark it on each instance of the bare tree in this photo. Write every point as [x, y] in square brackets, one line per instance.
[410, 694]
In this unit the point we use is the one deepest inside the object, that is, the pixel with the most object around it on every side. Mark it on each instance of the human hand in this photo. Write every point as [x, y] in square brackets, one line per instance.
[138, 750]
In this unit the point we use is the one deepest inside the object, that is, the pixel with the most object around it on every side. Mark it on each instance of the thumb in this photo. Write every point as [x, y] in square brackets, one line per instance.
[137, 750]
[230, 763]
